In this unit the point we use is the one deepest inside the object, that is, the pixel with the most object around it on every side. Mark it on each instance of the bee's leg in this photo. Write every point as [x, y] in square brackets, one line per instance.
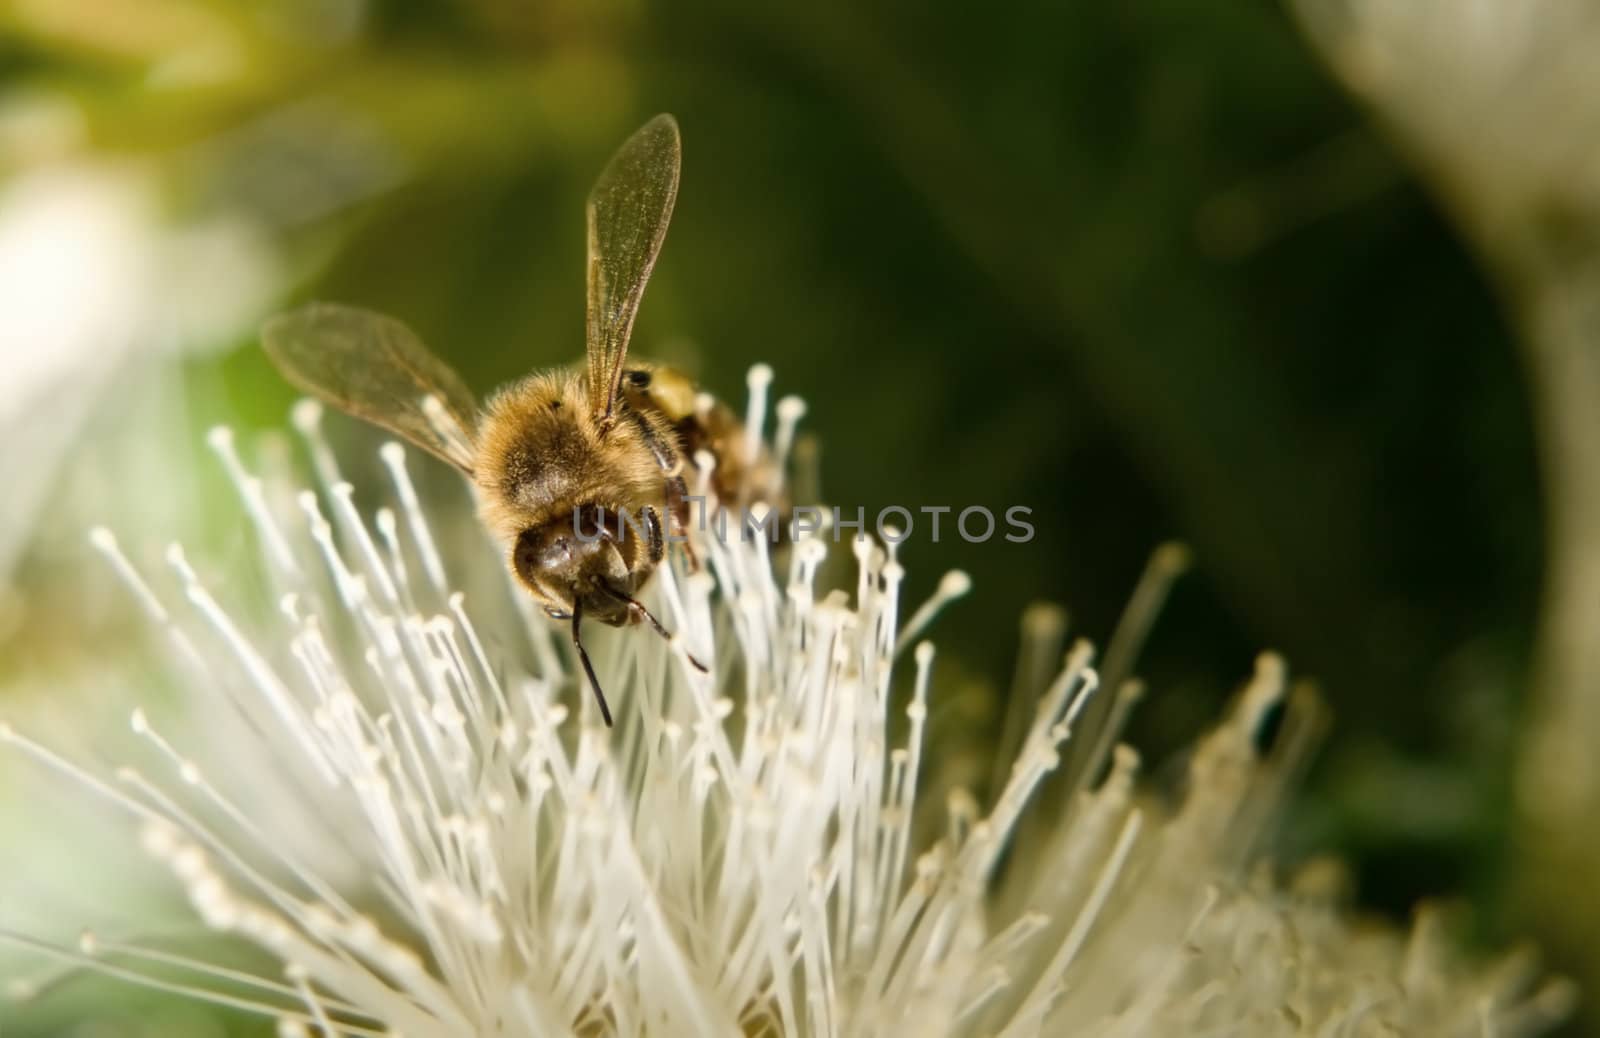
[678, 508]
[639, 612]
[671, 463]
[583, 655]
[665, 454]
[652, 527]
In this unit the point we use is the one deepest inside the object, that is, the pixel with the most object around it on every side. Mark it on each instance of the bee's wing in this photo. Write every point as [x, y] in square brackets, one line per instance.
[375, 368]
[628, 213]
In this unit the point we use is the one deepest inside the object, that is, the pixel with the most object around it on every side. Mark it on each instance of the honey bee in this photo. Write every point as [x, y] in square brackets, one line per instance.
[556, 456]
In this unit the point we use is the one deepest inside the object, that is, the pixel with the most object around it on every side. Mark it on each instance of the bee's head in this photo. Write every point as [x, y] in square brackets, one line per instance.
[575, 556]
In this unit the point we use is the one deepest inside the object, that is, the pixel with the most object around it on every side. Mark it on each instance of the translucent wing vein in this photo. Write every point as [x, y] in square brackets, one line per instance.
[629, 209]
[376, 369]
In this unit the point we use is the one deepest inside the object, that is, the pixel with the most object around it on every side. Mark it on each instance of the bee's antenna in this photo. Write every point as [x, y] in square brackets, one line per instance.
[583, 655]
[638, 606]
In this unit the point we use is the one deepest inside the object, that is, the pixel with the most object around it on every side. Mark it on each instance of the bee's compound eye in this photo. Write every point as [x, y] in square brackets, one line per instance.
[525, 555]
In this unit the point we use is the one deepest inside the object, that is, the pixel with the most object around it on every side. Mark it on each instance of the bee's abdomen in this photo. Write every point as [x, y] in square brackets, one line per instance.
[693, 422]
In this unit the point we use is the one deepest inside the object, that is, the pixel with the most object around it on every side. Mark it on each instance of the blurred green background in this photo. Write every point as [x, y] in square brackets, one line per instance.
[1143, 268]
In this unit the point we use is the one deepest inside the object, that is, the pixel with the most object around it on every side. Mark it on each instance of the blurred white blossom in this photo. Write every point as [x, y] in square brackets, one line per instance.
[114, 267]
[1496, 102]
[1498, 105]
[100, 288]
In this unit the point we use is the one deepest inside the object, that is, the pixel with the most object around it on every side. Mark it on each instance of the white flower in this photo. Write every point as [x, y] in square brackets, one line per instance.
[738, 855]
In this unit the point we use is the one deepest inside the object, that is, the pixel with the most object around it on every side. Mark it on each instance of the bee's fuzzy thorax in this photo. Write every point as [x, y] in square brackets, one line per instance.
[541, 456]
